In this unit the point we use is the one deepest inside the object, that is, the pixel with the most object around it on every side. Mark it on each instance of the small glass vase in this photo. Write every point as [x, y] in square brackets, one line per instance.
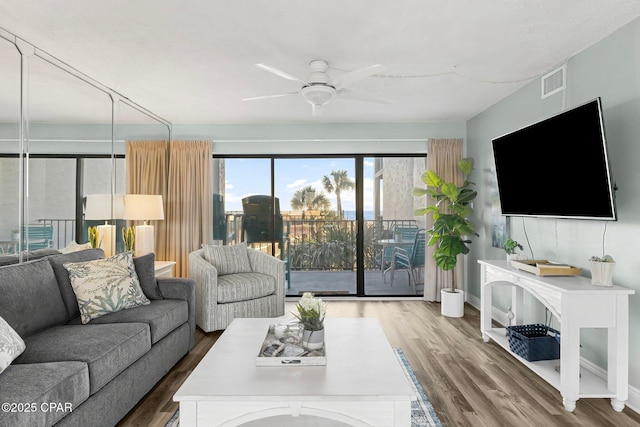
[313, 340]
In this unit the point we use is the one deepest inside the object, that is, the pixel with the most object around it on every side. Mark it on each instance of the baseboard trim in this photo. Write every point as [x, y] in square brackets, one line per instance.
[632, 403]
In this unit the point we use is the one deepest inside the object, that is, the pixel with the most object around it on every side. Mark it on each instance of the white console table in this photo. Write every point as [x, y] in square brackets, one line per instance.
[576, 304]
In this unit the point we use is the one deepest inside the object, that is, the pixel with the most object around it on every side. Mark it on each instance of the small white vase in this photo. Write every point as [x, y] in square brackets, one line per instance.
[313, 340]
[452, 303]
[515, 257]
[602, 273]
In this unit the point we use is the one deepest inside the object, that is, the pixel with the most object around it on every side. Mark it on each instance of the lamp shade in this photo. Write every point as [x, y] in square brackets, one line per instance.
[104, 206]
[143, 207]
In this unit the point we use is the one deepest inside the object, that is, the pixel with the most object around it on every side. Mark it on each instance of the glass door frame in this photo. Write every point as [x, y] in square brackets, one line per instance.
[359, 190]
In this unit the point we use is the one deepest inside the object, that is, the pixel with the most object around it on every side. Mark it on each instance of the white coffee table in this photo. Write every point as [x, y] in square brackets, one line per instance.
[362, 383]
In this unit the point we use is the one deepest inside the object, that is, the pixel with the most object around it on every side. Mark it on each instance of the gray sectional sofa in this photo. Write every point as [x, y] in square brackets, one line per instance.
[93, 374]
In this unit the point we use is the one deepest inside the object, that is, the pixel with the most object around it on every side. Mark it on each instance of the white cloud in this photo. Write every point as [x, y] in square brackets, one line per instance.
[297, 184]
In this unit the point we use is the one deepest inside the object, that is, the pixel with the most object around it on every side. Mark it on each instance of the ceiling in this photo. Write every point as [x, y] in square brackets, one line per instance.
[194, 62]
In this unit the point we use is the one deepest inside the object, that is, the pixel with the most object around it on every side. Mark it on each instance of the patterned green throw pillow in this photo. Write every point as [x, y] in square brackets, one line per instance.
[105, 285]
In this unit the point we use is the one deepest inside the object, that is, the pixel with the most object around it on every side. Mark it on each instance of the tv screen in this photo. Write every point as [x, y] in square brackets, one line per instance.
[557, 167]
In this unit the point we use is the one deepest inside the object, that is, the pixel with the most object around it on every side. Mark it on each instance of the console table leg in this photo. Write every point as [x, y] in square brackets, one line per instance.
[569, 405]
[618, 405]
[485, 337]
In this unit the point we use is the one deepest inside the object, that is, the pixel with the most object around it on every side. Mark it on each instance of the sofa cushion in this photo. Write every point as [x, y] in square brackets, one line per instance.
[62, 276]
[31, 299]
[39, 253]
[105, 285]
[64, 384]
[146, 271]
[162, 316]
[244, 286]
[230, 259]
[106, 349]
[11, 345]
[8, 259]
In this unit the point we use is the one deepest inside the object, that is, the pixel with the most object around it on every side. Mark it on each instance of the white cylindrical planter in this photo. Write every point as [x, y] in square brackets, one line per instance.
[452, 303]
[602, 273]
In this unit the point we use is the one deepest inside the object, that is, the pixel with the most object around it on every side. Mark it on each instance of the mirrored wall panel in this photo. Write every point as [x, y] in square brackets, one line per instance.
[55, 157]
[9, 147]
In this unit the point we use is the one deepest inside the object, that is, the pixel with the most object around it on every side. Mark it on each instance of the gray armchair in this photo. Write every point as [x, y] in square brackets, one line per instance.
[227, 287]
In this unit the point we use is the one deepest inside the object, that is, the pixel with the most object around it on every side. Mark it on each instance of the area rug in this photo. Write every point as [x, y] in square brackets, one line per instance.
[422, 412]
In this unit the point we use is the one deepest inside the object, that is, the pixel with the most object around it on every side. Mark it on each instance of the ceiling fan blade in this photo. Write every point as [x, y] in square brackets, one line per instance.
[355, 96]
[351, 77]
[279, 95]
[280, 73]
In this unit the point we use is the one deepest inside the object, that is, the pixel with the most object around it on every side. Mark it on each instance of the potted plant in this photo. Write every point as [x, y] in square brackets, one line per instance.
[510, 247]
[93, 236]
[451, 228]
[128, 237]
[311, 312]
[602, 270]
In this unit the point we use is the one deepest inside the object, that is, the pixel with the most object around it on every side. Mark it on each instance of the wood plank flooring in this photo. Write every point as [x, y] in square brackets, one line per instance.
[469, 382]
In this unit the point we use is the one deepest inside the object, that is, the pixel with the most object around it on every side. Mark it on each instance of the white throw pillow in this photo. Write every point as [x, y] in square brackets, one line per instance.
[230, 259]
[75, 247]
[11, 345]
[105, 285]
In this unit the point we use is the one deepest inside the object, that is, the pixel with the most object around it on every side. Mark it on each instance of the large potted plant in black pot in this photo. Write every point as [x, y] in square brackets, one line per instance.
[451, 228]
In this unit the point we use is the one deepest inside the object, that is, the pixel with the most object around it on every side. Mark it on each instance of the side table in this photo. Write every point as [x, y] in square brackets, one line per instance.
[164, 268]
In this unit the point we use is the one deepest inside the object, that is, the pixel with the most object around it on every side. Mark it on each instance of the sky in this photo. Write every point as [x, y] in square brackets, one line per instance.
[245, 177]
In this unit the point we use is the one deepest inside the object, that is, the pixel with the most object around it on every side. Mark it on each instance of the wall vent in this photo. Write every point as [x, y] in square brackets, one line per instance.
[554, 81]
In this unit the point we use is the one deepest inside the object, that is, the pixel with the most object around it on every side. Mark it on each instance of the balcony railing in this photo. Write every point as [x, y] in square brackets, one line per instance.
[323, 245]
[64, 231]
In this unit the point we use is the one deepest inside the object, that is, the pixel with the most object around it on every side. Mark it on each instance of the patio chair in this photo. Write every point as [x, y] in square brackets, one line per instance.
[403, 233]
[411, 261]
[37, 236]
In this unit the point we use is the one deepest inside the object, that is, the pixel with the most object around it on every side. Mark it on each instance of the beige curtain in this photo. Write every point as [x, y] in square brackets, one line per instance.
[189, 201]
[181, 172]
[147, 168]
[443, 156]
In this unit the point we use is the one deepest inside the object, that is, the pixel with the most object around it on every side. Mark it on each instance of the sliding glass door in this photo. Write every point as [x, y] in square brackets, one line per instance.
[318, 206]
[394, 236]
[326, 218]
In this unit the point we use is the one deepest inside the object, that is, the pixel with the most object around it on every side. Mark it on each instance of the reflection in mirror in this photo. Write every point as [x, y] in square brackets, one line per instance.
[134, 125]
[69, 120]
[9, 148]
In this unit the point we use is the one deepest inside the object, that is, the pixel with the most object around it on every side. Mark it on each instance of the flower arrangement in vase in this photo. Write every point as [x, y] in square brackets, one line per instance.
[311, 312]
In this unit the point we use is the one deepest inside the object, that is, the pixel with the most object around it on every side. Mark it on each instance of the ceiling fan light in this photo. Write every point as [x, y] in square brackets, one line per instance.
[318, 95]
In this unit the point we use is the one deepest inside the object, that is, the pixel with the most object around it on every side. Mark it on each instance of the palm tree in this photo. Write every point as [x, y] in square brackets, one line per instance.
[308, 198]
[341, 181]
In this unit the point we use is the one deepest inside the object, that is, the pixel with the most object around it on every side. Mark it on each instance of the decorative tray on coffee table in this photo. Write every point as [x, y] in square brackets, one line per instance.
[288, 350]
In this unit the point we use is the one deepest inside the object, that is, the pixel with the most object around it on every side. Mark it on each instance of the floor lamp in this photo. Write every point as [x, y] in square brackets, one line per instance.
[105, 207]
[143, 207]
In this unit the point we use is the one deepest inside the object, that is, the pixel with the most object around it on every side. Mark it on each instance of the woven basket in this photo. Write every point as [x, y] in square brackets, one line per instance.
[534, 342]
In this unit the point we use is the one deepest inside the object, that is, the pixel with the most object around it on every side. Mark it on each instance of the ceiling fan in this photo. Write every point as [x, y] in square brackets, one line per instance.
[318, 89]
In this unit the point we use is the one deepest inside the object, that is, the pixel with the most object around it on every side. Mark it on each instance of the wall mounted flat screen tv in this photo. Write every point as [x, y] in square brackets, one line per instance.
[557, 167]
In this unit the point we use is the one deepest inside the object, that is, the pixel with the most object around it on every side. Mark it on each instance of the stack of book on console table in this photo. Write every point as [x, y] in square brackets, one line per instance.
[543, 267]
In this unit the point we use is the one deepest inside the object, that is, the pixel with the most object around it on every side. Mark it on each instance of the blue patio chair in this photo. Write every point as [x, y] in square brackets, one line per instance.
[404, 233]
[37, 236]
[411, 261]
